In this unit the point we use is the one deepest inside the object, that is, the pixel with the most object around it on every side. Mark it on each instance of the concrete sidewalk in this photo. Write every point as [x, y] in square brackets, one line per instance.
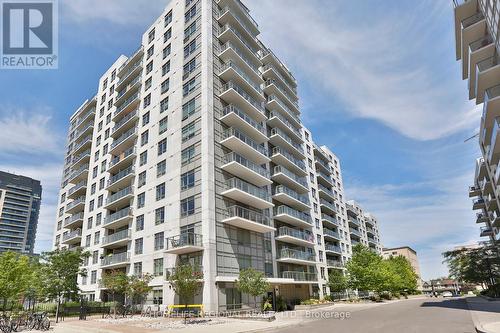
[485, 314]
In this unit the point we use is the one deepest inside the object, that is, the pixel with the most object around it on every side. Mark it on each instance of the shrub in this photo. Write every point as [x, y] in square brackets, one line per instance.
[385, 295]
[327, 298]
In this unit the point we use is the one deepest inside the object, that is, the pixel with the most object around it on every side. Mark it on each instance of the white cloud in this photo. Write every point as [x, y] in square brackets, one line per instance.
[387, 66]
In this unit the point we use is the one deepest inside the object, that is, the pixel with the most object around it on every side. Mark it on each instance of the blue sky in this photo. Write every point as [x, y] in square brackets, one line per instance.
[378, 83]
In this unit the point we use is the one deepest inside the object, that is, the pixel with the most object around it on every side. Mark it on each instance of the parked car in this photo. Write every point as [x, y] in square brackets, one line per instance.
[447, 294]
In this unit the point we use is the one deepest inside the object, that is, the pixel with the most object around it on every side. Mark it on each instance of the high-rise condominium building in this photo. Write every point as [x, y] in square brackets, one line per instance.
[20, 199]
[477, 45]
[363, 227]
[193, 151]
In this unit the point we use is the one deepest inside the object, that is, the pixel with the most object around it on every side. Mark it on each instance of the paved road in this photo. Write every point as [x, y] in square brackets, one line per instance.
[406, 316]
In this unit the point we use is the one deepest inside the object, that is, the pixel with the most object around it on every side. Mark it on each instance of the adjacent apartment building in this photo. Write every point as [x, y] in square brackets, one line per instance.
[477, 45]
[20, 199]
[193, 151]
[409, 254]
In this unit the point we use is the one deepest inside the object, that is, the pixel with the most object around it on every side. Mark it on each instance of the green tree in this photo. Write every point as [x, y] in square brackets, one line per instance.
[252, 282]
[403, 277]
[478, 266]
[15, 274]
[186, 282]
[116, 282]
[337, 281]
[367, 271]
[138, 287]
[59, 273]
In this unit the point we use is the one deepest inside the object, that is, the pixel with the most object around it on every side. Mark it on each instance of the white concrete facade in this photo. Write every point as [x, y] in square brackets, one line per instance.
[193, 151]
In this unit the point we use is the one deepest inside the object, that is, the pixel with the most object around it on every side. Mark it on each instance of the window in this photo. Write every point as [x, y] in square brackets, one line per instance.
[148, 84]
[160, 215]
[158, 271]
[89, 222]
[167, 50]
[162, 146]
[190, 14]
[189, 67]
[150, 52]
[97, 236]
[165, 68]
[160, 191]
[102, 183]
[187, 155]
[190, 30]
[87, 240]
[163, 125]
[142, 179]
[100, 201]
[168, 18]
[189, 49]
[138, 247]
[165, 86]
[149, 67]
[141, 200]
[164, 105]
[145, 119]
[151, 35]
[159, 241]
[147, 100]
[91, 206]
[188, 132]
[93, 277]
[167, 35]
[94, 172]
[143, 158]
[189, 87]
[187, 180]
[95, 257]
[161, 168]
[139, 223]
[187, 206]
[113, 75]
[188, 109]
[98, 219]
[144, 138]
[138, 268]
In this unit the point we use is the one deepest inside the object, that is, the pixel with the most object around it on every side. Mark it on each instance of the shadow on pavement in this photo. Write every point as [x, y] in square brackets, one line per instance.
[460, 304]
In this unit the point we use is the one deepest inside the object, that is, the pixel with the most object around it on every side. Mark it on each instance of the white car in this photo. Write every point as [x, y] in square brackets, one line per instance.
[447, 294]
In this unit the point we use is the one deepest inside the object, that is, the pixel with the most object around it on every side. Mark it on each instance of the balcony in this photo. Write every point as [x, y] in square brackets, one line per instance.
[284, 176]
[486, 232]
[268, 57]
[322, 166]
[474, 191]
[478, 204]
[292, 256]
[239, 190]
[122, 160]
[300, 276]
[323, 178]
[245, 218]
[462, 10]
[276, 119]
[372, 241]
[119, 219]
[329, 220]
[125, 124]
[235, 95]
[231, 52]
[291, 198]
[124, 141]
[282, 157]
[77, 190]
[85, 130]
[118, 239]
[249, 47]
[481, 218]
[332, 249]
[275, 104]
[473, 28]
[76, 205]
[84, 144]
[87, 116]
[120, 198]
[491, 203]
[233, 12]
[231, 72]
[184, 243]
[327, 207]
[121, 180]
[245, 169]
[130, 104]
[281, 139]
[327, 233]
[491, 110]
[128, 73]
[128, 89]
[371, 231]
[479, 50]
[294, 236]
[334, 264]
[272, 87]
[115, 260]
[74, 221]
[73, 237]
[487, 76]
[326, 193]
[234, 117]
[354, 221]
[238, 142]
[269, 71]
[81, 159]
[79, 174]
[293, 217]
[493, 155]
[355, 232]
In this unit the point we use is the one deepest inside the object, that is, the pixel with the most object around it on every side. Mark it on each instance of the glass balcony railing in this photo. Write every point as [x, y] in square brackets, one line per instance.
[488, 63]
[120, 194]
[117, 236]
[331, 233]
[328, 204]
[280, 169]
[73, 218]
[127, 88]
[355, 232]
[281, 77]
[297, 146]
[326, 190]
[233, 109]
[334, 263]
[114, 259]
[78, 186]
[290, 98]
[85, 140]
[81, 156]
[292, 114]
[480, 43]
[238, 19]
[84, 116]
[299, 276]
[229, 45]
[185, 239]
[286, 122]
[75, 203]
[240, 38]
[330, 219]
[124, 120]
[127, 102]
[234, 132]
[269, 52]
[490, 93]
[118, 215]
[124, 76]
[79, 171]
[333, 248]
[121, 175]
[494, 133]
[467, 22]
[324, 175]
[121, 157]
[124, 136]
[234, 157]
[286, 231]
[234, 66]
[287, 253]
[298, 163]
[322, 163]
[244, 94]
[247, 214]
[294, 213]
[239, 184]
[285, 190]
[73, 234]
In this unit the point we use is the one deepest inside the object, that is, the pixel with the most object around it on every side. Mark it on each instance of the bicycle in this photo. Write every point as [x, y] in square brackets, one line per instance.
[40, 321]
[5, 324]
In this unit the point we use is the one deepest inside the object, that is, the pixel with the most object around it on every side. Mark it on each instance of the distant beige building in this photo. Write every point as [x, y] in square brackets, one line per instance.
[408, 253]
